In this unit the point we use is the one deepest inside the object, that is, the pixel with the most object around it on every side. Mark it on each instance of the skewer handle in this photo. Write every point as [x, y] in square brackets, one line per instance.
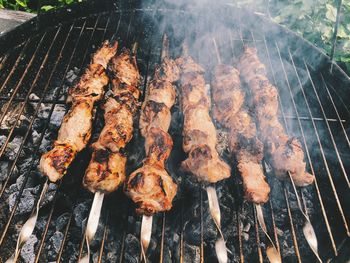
[214, 207]
[308, 229]
[92, 224]
[271, 251]
[29, 225]
[146, 232]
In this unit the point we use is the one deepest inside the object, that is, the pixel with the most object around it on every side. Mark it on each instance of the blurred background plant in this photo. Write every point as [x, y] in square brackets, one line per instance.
[311, 19]
[33, 6]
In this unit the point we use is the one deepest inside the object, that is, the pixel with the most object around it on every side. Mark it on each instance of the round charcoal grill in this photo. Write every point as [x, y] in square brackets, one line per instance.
[41, 59]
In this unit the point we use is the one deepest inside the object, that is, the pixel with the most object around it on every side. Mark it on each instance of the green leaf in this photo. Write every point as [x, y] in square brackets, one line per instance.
[47, 7]
[341, 32]
[21, 3]
[331, 12]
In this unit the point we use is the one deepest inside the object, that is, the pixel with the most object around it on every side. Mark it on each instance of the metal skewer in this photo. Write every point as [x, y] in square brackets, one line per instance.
[220, 246]
[92, 224]
[29, 225]
[271, 251]
[95, 212]
[146, 225]
[308, 229]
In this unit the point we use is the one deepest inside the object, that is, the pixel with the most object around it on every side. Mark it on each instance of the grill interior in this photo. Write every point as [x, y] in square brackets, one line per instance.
[312, 106]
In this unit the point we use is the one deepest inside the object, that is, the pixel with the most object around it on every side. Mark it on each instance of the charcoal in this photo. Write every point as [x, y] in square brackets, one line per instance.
[62, 221]
[132, 249]
[13, 148]
[5, 168]
[191, 253]
[26, 202]
[28, 252]
[81, 212]
[54, 244]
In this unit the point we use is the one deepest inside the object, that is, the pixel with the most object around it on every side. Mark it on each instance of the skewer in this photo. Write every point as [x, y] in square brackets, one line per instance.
[92, 224]
[271, 251]
[146, 225]
[95, 211]
[29, 225]
[308, 230]
[220, 246]
[214, 207]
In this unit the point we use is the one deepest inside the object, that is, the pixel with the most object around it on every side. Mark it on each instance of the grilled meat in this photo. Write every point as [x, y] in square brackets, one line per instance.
[151, 187]
[284, 154]
[75, 130]
[76, 125]
[106, 170]
[228, 109]
[199, 133]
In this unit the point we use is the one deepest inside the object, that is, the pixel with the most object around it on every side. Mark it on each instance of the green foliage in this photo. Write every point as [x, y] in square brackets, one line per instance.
[313, 20]
[33, 5]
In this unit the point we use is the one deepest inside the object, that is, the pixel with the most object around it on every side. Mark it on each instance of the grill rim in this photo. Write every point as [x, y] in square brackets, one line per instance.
[283, 28]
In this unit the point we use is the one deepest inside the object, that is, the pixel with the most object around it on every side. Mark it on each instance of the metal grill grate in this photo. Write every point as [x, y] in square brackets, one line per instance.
[311, 109]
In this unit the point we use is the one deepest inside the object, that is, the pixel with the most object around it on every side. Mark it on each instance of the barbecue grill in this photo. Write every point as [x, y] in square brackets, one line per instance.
[42, 57]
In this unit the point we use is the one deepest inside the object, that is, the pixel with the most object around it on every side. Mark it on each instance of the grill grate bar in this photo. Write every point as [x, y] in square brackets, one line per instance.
[32, 162]
[60, 253]
[15, 66]
[201, 224]
[308, 157]
[321, 147]
[324, 115]
[257, 236]
[104, 238]
[18, 85]
[35, 113]
[295, 242]
[42, 239]
[21, 147]
[335, 109]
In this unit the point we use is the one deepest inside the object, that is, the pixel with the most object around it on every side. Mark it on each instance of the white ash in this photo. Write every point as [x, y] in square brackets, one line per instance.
[57, 115]
[27, 252]
[46, 143]
[72, 75]
[33, 96]
[13, 112]
[35, 136]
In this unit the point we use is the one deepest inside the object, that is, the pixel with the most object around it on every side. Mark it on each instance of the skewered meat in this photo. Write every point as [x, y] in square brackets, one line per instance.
[285, 154]
[199, 133]
[151, 187]
[75, 130]
[106, 170]
[247, 148]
